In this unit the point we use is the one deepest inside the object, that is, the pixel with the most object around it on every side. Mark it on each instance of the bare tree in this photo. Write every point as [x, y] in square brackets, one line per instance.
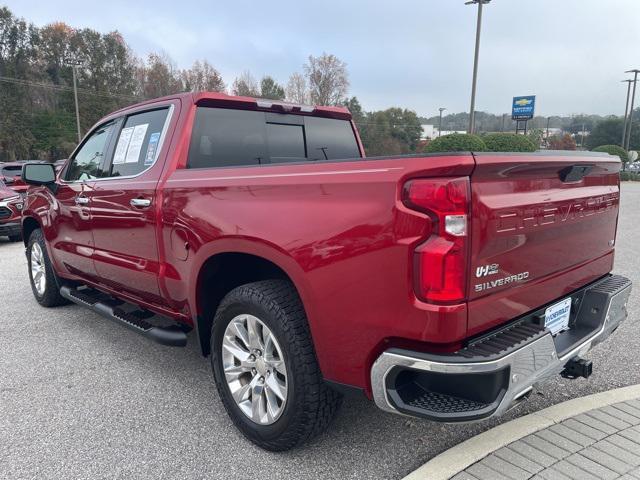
[296, 91]
[328, 79]
[202, 77]
[245, 85]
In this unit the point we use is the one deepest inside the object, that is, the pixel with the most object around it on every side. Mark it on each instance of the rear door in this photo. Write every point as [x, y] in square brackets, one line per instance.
[123, 205]
[541, 226]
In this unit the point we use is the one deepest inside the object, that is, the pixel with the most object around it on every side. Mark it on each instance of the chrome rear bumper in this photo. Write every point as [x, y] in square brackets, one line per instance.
[500, 379]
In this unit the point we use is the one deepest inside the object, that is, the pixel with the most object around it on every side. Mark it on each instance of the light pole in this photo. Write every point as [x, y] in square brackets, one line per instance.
[472, 113]
[442, 109]
[633, 98]
[548, 121]
[626, 111]
[75, 64]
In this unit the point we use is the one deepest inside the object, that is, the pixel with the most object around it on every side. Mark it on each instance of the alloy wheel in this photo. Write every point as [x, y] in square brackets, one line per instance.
[38, 274]
[254, 369]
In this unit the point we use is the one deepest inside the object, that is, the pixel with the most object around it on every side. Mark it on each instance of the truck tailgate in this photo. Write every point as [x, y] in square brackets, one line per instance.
[542, 225]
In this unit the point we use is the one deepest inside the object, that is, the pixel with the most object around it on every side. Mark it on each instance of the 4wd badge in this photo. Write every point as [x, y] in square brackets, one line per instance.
[486, 270]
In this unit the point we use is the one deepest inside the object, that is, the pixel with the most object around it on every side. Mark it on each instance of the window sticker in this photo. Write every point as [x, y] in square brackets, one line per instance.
[135, 145]
[123, 145]
[151, 149]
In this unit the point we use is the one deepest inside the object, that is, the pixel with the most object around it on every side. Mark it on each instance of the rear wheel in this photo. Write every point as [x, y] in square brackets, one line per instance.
[44, 283]
[265, 367]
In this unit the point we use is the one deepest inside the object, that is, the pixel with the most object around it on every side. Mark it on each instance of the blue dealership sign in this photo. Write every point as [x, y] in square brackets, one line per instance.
[523, 107]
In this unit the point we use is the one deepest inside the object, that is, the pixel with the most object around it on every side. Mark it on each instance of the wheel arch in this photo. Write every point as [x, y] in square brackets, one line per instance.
[29, 224]
[223, 271]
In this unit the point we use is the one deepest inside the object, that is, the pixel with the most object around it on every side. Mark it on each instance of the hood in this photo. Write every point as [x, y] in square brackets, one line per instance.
[6, 192]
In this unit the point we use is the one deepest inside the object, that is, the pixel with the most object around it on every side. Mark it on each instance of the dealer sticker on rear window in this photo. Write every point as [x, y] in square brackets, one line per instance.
[556, 317]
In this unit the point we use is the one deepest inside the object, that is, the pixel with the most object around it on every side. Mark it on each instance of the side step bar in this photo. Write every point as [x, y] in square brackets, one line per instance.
[172, 336]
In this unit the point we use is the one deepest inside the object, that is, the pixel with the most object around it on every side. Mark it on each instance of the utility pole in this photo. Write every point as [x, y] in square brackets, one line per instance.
[633, 98]
[626, 112]
[582, 137]
[472, 112]
[548, 121]
[75, 64]
[442, 109]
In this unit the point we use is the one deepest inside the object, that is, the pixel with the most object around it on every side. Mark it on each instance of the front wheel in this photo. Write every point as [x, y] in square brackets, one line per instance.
[44, 282]
[265, 366]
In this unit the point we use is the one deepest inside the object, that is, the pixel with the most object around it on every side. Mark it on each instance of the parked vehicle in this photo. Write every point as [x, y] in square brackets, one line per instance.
[10, 213]
[10, 174]
[442, 286]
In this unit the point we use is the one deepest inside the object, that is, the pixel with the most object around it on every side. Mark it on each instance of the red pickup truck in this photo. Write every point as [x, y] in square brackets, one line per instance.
[442, 286]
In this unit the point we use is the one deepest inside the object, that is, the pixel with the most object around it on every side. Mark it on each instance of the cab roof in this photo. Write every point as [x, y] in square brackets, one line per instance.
[217, 99]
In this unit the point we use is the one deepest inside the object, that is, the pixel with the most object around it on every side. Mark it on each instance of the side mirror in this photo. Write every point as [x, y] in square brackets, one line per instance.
[38, 173]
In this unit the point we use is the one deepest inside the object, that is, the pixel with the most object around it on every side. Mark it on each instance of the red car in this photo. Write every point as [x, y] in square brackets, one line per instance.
[10, 213]
[10, 174]
[441, 286]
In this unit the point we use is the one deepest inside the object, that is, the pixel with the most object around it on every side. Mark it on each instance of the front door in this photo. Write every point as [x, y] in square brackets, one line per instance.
[71, 241]
[124, 210]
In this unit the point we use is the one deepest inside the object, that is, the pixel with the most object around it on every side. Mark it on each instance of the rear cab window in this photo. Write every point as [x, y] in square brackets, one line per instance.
[225, 137]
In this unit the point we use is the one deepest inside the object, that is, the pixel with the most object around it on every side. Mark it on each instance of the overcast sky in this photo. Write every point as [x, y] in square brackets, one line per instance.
[417, 54]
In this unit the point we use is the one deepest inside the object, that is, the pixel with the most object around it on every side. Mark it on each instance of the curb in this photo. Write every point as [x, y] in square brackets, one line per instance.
[465, 454]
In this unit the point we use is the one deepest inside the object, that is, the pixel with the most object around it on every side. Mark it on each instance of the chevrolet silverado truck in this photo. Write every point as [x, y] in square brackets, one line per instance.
[10, 213]
[441, 286]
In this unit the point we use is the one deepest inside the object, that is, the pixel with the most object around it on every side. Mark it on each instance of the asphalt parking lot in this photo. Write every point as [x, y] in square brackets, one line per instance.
[81, 397]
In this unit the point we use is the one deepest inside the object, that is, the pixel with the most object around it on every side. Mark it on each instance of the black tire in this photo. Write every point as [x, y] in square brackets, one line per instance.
[310, 404]
[51, 296]
[15, 238]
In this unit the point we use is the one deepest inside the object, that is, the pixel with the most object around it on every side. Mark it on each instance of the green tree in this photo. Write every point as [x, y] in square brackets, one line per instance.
[456, 142]
[508, 142]
[616, 150]
[269, 88]
[18, 42]
[609, 132]
[353, 105]
[393, 131]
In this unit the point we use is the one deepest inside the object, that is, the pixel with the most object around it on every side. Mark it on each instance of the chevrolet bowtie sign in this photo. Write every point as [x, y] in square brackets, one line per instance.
[523, 107]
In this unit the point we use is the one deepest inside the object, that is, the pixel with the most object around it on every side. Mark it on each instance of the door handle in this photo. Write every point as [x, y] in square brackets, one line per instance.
[81, 200]
[140, 202]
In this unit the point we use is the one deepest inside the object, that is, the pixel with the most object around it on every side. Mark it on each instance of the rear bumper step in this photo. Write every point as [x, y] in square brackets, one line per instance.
[173, 335]
[493, 373]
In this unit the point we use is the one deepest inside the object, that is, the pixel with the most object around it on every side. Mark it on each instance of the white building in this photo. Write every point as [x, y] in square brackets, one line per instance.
[429, 132]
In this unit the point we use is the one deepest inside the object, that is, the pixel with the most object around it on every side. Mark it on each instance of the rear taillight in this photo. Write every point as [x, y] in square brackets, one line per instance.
[440, 263]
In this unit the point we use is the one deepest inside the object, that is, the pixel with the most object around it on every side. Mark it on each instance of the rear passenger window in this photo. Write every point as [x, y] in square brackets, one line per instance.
[229, 138]
[223, 137]
[138, 144]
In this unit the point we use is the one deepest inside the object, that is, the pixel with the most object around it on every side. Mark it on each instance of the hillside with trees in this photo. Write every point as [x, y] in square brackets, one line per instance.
[37, 114]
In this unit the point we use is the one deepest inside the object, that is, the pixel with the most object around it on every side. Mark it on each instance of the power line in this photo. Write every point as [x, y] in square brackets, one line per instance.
[24, 82]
